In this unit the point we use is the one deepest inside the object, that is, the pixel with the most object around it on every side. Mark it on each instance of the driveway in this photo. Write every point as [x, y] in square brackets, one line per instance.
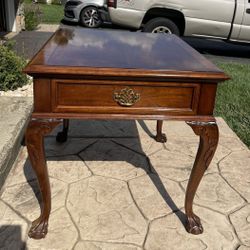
[221, 51]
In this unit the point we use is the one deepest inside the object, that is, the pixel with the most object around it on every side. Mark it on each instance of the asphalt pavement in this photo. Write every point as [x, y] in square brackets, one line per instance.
[220, 50]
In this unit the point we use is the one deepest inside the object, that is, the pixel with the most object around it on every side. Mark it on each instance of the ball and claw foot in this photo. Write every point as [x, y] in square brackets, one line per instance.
[39, 229]
[161, 138]
[194, 225]
[61, 137]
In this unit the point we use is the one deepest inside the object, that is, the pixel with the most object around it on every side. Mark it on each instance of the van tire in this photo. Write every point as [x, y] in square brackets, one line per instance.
[161, 25]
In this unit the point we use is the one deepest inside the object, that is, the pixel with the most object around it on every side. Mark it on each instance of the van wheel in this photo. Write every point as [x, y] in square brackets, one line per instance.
[161, 25]
[90, 17]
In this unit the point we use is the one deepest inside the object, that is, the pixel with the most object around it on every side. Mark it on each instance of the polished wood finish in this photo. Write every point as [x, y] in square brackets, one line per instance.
[209, 136]
[97, 74]
[160, 137]
[97, 97]
[63, 135]
[100, 54]
[35, 132]
[42, 92]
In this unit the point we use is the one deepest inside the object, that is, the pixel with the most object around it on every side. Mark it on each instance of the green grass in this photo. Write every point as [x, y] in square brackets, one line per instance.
[233, 99]
[51, 13]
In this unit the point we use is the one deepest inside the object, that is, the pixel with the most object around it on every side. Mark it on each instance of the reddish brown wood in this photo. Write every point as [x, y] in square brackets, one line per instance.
[82, 97]
[78, 79]
[209, 135]
[93, 116]
[36, 130]
[160, 137]
[125, 74]
[114, 55]
[63, 135]
[207, 99]
[42, 95]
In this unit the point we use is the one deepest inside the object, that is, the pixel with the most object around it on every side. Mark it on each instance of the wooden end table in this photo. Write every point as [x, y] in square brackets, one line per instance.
[96, 74]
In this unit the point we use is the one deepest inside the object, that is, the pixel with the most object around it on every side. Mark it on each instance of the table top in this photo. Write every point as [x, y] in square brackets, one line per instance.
[108, 52]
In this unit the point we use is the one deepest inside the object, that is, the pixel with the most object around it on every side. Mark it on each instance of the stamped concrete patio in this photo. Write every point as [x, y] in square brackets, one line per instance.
[115, 188]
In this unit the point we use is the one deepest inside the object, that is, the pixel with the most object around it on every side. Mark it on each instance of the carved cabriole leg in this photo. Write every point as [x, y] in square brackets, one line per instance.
[209, 135]
[160, 137]
[35, 133]
[63, 135]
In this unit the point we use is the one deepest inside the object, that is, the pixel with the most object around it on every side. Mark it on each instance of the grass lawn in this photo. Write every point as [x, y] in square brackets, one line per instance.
[52, 13]
[233, 99]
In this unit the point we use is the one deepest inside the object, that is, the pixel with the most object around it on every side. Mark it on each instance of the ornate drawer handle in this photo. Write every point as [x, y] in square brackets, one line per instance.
[126, 97]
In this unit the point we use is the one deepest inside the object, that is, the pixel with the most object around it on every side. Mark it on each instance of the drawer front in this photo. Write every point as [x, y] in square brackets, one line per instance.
[124, 98]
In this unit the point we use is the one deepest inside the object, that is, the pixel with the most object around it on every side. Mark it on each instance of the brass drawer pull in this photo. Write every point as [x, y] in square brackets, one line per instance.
[126, 97]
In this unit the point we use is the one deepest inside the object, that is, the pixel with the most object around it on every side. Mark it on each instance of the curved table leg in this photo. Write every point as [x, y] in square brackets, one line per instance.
[209, 135]
[35, 132]
[160, 137]
[63, 135]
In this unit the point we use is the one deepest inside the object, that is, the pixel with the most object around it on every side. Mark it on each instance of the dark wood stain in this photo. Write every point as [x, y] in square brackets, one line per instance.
[77, 73]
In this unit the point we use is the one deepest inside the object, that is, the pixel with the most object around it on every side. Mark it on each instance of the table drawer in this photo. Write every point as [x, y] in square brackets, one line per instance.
[124, 97]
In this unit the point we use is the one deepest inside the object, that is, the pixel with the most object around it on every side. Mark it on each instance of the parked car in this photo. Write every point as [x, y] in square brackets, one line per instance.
[89, 13]
[223, 19]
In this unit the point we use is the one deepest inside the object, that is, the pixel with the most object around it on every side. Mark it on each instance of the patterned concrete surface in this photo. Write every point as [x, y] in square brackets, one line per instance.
[115, 188]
